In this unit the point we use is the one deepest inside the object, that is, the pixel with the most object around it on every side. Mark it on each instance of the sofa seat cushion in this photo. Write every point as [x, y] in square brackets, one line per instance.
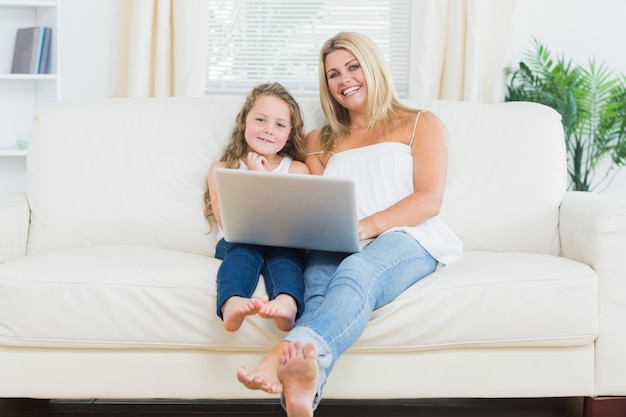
[143, 297]
[492, 299]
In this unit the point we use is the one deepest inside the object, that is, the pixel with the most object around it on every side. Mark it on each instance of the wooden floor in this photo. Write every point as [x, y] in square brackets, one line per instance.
[550, 407]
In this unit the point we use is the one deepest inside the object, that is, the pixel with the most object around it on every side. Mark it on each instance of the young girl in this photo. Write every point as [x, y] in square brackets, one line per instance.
[268, 136]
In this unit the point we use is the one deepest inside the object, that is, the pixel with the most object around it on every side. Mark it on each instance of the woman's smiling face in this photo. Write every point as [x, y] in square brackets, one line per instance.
[345, 79]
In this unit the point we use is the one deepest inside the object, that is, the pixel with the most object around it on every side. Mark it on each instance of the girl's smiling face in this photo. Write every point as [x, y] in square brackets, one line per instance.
[268, 125]
[345, 79]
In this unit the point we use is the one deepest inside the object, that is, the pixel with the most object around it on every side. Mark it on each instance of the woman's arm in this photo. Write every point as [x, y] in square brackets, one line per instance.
[430, 164]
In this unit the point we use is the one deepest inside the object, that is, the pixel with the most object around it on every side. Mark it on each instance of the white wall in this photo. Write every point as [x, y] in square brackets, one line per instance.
[88, 49]
[578, 29]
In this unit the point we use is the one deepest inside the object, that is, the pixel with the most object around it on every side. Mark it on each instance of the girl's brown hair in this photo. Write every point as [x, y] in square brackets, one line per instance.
[237, 147]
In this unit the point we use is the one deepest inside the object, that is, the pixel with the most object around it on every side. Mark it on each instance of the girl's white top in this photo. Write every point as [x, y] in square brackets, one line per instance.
[282, 168]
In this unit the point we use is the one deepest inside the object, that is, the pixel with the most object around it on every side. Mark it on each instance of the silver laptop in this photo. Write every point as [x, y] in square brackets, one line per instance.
[288, 210]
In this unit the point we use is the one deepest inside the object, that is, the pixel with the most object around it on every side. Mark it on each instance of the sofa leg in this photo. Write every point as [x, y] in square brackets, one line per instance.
[604, 407]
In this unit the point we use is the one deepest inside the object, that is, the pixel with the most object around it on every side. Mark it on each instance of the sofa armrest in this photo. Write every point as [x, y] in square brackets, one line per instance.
[593, 231]
[14, 223]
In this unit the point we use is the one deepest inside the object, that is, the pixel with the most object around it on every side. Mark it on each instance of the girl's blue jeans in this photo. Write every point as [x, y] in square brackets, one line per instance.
[342, 290]
[242, 265]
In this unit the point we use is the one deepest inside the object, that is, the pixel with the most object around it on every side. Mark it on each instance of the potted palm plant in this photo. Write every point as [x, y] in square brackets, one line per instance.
[592, 103]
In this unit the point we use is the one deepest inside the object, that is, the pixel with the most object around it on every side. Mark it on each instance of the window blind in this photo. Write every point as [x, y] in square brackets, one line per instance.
[255, 41]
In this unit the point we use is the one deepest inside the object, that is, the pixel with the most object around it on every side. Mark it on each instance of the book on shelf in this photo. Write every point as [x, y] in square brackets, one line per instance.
[31, 54]
[44, 62]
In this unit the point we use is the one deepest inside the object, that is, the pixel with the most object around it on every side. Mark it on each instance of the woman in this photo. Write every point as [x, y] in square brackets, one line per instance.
[397, 157]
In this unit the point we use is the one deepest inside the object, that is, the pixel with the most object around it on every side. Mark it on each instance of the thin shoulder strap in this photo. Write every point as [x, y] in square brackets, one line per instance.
[319, 153]
[414, 127]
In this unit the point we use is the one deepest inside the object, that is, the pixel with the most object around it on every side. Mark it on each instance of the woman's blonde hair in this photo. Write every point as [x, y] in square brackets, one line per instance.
[237, 147]
[383, 101]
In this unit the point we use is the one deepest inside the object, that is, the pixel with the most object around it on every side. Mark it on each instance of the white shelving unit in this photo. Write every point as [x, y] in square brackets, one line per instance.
[21, 94]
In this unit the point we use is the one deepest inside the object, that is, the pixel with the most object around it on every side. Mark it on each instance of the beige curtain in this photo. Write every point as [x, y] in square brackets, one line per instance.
[460, 48]
[161, 48]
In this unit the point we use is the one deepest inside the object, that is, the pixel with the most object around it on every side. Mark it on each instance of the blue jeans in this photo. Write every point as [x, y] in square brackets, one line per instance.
[242, 265]
[342, 290]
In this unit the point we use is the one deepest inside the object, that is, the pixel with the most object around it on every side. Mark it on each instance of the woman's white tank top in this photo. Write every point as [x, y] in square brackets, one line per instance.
[383, 175]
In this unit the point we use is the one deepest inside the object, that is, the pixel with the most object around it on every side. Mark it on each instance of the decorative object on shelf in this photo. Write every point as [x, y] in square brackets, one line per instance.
[22, 141]
[31, 54]
[592, 104]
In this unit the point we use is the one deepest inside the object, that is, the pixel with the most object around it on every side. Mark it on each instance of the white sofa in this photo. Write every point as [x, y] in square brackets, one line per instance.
[107, 280]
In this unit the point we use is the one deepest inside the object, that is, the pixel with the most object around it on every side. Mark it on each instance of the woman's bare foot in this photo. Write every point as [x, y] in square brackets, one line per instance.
[283, 310]
[264, 376]
[297, 371]
[237, 308]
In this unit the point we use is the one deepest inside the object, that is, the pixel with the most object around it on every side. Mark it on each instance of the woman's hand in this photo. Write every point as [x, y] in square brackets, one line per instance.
[368, 229]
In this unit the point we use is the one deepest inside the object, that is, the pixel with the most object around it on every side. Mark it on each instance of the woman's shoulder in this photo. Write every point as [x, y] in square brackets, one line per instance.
[315, 158]
[427, 119]
[409, 114]
[312, 138]
[313, 141]
[428, 130]
[427, 116]
[409, 117]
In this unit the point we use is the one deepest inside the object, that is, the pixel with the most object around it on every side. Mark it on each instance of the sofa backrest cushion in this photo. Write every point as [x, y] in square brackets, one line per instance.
[507, 174]
[132, 171]
[125, 172]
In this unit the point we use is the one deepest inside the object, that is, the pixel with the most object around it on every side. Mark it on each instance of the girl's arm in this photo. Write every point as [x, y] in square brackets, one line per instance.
[213, 191]
[430, 162]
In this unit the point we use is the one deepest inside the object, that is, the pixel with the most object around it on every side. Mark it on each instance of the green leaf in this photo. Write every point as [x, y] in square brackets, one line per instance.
[591, 101]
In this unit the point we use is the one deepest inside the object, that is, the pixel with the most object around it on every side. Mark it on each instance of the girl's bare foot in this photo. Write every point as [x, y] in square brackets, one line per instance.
[283, 310]
[264, 376]
[237, 308]
[297, 371]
